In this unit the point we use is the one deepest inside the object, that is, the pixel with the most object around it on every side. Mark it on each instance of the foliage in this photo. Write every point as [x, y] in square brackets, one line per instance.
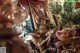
[76, 17]
[69, 17]
[68, 7]
[55, 8]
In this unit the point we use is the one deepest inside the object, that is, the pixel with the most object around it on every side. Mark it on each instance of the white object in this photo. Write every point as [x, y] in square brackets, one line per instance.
[24, 23]
[28, 37]
[2, 49]
[28, 18]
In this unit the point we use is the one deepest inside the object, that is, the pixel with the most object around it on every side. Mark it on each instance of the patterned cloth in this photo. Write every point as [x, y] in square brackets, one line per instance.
[35, 8]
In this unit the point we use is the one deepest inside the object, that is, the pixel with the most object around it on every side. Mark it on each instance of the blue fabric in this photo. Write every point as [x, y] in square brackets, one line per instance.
[28, 27]
[52, 43]
[29, 24]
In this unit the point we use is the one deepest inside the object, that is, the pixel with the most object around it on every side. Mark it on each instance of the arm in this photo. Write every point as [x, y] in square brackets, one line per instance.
[48, 37]
[44, 41]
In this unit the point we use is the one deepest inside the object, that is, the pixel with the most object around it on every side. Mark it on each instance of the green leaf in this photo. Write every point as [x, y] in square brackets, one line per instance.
[70, 0]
